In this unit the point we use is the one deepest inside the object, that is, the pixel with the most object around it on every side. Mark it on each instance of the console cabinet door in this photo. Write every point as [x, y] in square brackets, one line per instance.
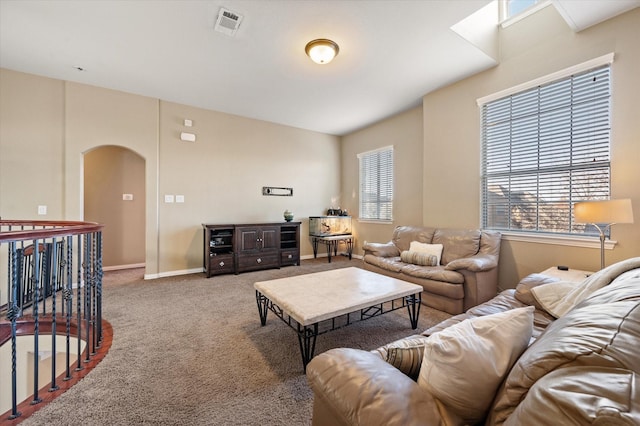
[247, 240]
[257, 247]
[270, 238]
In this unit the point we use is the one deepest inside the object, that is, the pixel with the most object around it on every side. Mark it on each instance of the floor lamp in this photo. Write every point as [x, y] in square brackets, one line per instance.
[603, 214]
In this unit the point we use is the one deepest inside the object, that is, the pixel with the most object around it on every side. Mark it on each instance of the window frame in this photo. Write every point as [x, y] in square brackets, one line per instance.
[390, 174]
[506, 21]
[572, 239]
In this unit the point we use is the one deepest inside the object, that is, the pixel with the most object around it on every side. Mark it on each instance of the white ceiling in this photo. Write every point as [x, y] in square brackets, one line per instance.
[391, 53]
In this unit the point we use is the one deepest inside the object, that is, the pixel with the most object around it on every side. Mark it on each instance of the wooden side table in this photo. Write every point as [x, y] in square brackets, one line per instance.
[571, 275]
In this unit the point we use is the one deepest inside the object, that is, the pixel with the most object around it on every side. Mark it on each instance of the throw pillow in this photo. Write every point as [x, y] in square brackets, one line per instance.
[417, 258]
[464, 364]
[434, 249]
[407, 359]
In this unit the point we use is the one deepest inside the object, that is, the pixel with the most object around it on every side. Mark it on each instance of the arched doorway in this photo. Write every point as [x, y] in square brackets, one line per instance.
[114, 195]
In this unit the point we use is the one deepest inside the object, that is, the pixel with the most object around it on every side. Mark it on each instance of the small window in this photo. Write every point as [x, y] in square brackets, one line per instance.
[515, 7]
[376, 184]
[544, 149]
[512, 11]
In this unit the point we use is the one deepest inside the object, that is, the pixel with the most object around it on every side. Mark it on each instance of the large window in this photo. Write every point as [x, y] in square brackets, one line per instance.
[376, 184]
[543, 149]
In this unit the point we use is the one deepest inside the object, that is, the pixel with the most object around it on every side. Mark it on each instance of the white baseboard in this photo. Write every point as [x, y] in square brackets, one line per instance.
[118, 267]
[173, 273]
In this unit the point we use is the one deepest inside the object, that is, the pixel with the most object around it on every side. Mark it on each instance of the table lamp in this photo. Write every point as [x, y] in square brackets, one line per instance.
[603, 214]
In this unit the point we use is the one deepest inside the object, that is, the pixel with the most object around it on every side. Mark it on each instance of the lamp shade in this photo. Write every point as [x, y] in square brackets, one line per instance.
[605, 211]
[321, 51]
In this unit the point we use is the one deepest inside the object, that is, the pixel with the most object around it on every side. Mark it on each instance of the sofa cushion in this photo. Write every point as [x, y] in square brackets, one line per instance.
[418, 258]
[433, 249]
[393, 264]
[602, 331]
[523, 289]
[464, 364]
[457, 243]
[582, 395]
[435, 273]
[407, 360]
[403, 235]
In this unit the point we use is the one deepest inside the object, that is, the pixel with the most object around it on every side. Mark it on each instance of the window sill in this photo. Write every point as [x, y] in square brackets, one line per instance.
[379, 222]
[559, 240]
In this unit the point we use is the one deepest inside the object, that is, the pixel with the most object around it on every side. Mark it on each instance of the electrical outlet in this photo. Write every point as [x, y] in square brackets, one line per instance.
[42, 210]
[168, 198]
[127, 197]
[179, 198]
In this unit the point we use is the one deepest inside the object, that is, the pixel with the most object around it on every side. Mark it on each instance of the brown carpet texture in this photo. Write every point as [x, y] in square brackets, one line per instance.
[189, 350]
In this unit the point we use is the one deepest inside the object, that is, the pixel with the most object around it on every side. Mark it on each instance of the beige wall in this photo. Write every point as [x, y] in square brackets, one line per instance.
[221, 176]
[404, 132]
[532, 48]
[31, 146]
[110, 172]
[47, 126]
[100, 117]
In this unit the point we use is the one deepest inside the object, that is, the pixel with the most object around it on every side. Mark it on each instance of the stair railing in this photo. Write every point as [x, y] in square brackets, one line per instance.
[50, 286]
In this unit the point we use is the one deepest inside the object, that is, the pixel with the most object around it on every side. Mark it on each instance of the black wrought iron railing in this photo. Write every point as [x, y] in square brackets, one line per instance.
[51, 295]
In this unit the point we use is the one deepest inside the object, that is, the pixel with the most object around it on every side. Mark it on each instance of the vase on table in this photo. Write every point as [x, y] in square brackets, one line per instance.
[288, 216]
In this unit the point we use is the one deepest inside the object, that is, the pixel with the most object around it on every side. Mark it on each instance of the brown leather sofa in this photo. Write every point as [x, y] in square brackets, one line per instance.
[466, 276]
[582, 368]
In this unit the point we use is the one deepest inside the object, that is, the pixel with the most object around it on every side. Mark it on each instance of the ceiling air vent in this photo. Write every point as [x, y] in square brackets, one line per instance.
[227, 22]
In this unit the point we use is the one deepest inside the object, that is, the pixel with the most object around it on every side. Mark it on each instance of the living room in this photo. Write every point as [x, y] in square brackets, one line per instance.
[47, 125]
[73, 118]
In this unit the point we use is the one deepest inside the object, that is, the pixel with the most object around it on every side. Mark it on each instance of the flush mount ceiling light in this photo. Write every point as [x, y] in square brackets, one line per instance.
[322, 51]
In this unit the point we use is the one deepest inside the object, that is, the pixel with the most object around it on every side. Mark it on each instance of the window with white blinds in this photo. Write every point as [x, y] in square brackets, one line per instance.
[543, 149]
[376, 184]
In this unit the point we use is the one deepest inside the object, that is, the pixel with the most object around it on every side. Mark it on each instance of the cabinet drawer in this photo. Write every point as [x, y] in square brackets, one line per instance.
[258, 261]
[221, 264]
[289, 257]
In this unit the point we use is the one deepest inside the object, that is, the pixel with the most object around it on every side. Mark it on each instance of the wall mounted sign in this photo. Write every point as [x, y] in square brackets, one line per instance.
[274, 190]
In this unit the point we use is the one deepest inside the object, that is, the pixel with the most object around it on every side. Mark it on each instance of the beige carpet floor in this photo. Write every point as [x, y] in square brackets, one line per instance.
[189, 350]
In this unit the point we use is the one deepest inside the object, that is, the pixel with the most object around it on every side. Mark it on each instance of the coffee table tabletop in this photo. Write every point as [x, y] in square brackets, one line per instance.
[315, 297]
[305, 302]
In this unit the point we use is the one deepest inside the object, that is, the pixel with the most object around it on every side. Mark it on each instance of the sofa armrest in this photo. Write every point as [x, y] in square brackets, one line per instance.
[360, 388]
[478, 263]
[381, 249]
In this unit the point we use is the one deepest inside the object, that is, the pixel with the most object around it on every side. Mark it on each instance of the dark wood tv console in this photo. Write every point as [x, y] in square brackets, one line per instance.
[249, 247]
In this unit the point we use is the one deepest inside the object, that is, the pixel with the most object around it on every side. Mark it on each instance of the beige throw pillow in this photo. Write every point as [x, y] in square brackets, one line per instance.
[433, 249]
[464, 364]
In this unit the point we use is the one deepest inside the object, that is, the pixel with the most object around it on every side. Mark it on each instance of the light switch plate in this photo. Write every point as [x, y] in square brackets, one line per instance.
[179, 198]
[168, 198]
[127, 197]
[42, 210]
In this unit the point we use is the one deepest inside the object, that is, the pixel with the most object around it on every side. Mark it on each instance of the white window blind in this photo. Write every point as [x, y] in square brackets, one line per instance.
[543, 149]
[376, 184]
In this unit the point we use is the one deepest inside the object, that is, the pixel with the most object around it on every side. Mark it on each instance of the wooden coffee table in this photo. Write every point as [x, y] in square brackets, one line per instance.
[317, 303]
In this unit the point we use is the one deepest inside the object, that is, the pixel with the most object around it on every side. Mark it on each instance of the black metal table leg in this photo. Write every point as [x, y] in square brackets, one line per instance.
[349, 243]
[315, 247]
[413, 306]
[329, 249]
[263, 307]
[307, 340]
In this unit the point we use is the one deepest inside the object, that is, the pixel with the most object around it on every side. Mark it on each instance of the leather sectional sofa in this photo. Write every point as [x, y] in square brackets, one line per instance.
[466, 275]
[580, 368]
